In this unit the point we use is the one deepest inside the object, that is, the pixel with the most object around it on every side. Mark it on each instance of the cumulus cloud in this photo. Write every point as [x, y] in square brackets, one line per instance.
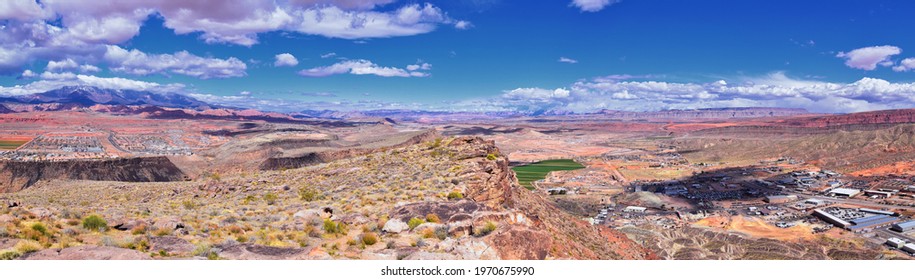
[334, 22]
[285, 59]
[59, 29]
[51, 81]
[27, 74]
[365, 67]
[567, 60]
[463, 25]
[592, 5]
[419, 66]
[328, 55]
[905, 65]
[183, 63]
[869, 57]
[773, 90]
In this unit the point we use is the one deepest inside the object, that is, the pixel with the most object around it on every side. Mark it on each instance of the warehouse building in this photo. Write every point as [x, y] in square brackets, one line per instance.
[844, 192]
[905, 226]
[909, 248]
[872, 222]
[878, 212]
[895, 243]
[635, 209]
[780, 198]
[831, 218]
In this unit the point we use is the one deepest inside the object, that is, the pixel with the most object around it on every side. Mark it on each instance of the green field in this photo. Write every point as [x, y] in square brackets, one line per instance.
[9, 144]
[536, 171]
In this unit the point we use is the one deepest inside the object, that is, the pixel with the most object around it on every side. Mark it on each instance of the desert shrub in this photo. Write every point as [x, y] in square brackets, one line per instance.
[415, 222]
[335, 228]
[307, 193]
[94, 222]
[369, 238]
[455, 195]
[162, 232]
[40, 228]
[9, 255]
[486, 229]
[441, 232]
[428, 233]
[137, 230]
[432, 218]
[27, 246]
[189, 204]
[204, 250]
[491, 156]
[270, 198]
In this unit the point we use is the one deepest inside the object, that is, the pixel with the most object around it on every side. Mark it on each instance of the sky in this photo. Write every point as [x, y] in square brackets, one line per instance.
[471, 55]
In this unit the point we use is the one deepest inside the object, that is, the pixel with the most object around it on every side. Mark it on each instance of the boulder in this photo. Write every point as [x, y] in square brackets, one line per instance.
[87, 253]
[41, 213]
[169, 222]
[170, 244]
[395, 226]
[261, 252]
[309, 216]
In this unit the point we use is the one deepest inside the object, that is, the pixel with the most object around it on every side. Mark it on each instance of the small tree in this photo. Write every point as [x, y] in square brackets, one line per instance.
[94, 222]
[415, 222]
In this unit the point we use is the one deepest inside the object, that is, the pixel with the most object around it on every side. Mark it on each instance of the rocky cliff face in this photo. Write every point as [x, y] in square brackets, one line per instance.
[874, 117]
[530, 226]
[715, 113]
[15, 175]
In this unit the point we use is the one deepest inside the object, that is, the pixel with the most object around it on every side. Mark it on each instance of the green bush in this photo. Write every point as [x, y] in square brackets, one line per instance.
[9, 255]
[486, 229]
[415, 222]
[331, 227]
[270, 198]
[308, 194]
[455, 195]
[39, 227]
[94, 222]
[369, 238]
[491, 156]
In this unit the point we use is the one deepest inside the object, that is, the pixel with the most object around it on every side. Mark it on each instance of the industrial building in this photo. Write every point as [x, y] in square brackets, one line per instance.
[844, 192]
[895, 243]
[780, 198]
[879, 212]
[905, 226]
[909, 248]
[871, 221]
[634, 209]
[831, 219]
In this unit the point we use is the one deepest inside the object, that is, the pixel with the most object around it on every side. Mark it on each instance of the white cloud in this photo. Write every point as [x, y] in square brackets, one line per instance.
[592, 5]
[869, 57]
[51, 81]
[60, 29]
[773, 90]
[463, 25]
[567, 60]
[328, 55]
[363, 67]
[62, 65]
[24, 10]
[285, 59]
[337, 23]
[905, 65]
[419, 66]
[139, 63]
[27, 74]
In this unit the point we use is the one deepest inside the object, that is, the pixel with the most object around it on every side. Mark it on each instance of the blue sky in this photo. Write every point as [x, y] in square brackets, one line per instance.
[576, 55]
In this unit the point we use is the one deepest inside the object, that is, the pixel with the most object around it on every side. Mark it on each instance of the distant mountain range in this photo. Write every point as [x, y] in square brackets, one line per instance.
[87, 96]
[175, 105]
